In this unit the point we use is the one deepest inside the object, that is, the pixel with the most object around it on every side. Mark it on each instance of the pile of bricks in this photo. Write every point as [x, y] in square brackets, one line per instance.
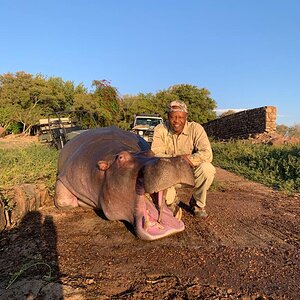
[243, 125]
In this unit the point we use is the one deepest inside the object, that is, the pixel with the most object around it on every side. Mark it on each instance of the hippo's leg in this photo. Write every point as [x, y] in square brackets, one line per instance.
[63, 198]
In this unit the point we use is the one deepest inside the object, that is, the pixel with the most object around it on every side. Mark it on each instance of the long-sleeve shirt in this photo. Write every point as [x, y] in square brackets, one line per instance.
[192, 141]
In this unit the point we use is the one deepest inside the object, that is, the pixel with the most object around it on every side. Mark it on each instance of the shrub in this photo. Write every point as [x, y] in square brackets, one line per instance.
[275, 166]
[32, 164]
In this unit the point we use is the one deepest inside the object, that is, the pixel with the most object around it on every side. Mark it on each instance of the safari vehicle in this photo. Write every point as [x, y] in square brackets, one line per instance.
[61, 127]
[144, 124]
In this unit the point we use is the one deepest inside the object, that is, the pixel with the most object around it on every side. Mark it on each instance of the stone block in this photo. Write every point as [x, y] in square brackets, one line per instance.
[25, 198]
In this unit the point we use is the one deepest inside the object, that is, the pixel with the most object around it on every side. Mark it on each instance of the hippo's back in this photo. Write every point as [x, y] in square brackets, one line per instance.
[101, 144]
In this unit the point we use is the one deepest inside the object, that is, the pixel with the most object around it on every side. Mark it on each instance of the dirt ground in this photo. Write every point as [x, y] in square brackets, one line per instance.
[248, 248]
[17, 140]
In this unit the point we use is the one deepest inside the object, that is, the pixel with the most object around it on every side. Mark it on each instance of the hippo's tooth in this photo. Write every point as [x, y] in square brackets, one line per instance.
[148, 224]
[157, 225]
[146, 221]
[161, 202]
[179, 214]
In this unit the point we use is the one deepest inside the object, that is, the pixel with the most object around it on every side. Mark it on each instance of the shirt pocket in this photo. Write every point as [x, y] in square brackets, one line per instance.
[185, 147]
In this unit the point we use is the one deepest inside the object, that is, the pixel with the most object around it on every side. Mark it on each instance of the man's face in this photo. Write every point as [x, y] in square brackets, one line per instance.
[177, 120]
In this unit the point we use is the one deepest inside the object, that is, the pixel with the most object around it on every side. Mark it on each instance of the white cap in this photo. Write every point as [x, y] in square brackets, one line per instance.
[177, 105]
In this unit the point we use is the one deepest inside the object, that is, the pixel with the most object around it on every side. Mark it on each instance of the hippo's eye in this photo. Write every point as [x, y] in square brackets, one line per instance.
[120, 157]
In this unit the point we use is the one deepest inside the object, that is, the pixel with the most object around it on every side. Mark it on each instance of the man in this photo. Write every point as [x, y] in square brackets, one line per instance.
[178, 137]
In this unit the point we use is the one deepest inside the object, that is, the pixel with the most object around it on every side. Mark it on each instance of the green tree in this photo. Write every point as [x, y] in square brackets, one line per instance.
[138, 104]
[108, 101]
[5, 116]
[200, 105]
[163, 98]
[55, 94]
[27, 98]
[15, 96]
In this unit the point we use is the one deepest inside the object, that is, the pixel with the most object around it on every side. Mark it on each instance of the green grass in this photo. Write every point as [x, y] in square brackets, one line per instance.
[25, 267]
[33, 164]
[274, 166]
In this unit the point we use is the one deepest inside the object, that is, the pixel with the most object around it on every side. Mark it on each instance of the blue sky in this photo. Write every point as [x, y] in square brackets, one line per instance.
[245, 52]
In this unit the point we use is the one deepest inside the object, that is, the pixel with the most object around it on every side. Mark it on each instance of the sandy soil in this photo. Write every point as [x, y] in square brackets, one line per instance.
[248, 248]
[17, 140]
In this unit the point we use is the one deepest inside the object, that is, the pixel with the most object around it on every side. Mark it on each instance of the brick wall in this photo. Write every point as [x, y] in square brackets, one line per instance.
[243, 124]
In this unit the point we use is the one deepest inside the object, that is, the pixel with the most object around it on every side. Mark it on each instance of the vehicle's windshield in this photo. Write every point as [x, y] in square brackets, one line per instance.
[150, 122]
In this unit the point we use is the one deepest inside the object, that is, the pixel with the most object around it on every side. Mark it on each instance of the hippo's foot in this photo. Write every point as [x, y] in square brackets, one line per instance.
[152, 225]
[63, 198]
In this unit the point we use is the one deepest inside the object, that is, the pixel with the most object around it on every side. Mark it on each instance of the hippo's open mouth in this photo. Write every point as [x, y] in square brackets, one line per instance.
[152, 224]
[153, 219]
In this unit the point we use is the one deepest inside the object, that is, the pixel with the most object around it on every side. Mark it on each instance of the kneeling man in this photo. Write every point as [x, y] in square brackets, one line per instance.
[178, 137]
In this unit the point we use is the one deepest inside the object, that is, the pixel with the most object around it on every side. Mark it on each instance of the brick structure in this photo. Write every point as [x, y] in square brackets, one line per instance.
[244, 124]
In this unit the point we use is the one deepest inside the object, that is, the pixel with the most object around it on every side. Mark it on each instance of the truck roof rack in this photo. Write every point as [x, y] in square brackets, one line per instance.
[148, 115]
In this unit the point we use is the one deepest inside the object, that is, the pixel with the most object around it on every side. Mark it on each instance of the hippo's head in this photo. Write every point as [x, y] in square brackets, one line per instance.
[128, 177]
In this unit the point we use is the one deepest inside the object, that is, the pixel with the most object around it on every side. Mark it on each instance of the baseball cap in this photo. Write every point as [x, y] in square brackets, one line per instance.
[177, 105]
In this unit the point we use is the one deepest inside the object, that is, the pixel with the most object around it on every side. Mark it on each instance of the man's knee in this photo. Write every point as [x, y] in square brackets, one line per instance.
[206, 170]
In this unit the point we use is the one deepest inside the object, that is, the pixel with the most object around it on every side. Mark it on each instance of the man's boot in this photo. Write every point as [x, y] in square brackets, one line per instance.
[197, 211]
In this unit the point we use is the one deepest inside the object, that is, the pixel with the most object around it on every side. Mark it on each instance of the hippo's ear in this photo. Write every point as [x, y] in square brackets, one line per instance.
[103, 165]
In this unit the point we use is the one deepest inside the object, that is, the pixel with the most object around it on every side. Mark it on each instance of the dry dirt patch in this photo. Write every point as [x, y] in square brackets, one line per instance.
[17, 140]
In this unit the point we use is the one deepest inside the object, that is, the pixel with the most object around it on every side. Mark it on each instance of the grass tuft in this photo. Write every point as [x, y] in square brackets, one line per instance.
[274, 166]
[33, 164]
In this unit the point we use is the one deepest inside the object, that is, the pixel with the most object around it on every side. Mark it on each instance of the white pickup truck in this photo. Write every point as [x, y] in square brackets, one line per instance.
[144, 124]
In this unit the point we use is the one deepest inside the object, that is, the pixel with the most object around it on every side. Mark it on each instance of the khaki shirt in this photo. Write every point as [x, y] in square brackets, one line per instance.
[192, 140]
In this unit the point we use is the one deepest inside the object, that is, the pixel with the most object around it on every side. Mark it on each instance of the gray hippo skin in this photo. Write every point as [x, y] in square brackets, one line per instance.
[111, 169]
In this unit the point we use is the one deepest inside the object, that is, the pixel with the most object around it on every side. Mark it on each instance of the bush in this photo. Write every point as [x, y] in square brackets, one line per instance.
[33, 164]
[275, 166]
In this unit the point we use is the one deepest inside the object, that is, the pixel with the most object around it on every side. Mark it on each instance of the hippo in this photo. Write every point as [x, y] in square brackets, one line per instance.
[114, 170]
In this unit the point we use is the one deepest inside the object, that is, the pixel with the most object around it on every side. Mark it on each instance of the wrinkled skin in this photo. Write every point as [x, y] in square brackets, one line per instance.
[112, 169]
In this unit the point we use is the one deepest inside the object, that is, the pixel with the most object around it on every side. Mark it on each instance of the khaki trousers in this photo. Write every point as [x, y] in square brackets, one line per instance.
[204, 175]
